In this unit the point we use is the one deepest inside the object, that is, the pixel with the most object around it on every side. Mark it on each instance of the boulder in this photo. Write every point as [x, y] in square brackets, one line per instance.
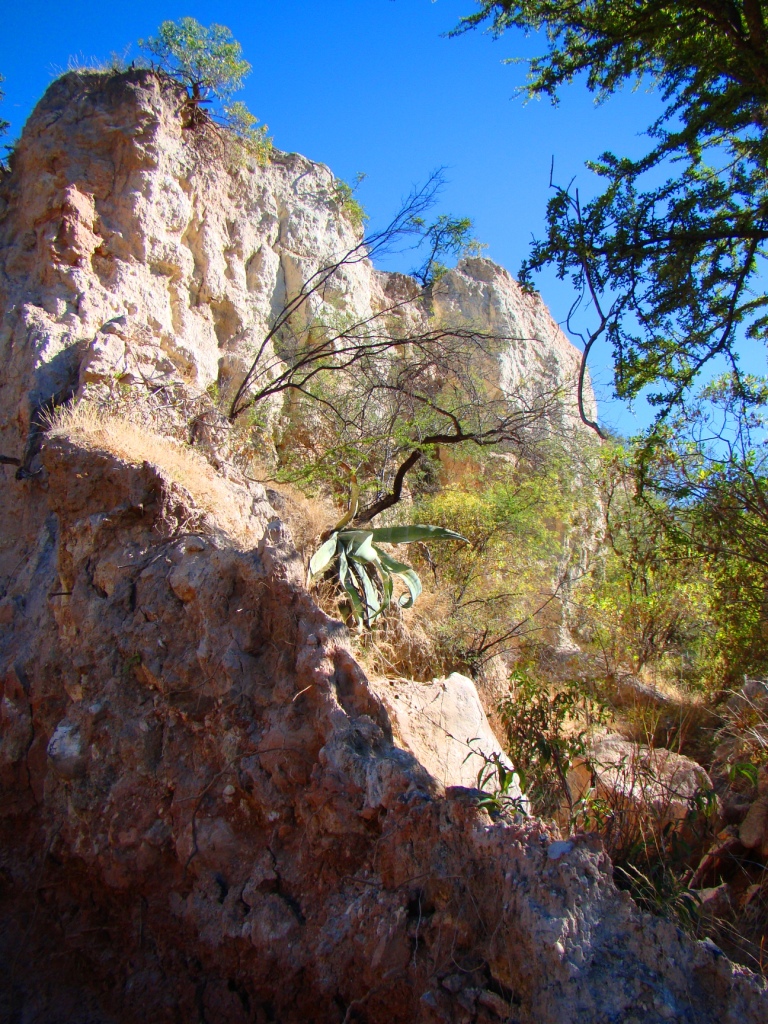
[636, 780]
[754, 828]
[444, 726]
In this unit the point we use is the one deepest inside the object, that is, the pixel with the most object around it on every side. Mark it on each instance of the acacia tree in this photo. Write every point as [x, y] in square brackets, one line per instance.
[446, 237]
[673, 270]
[207, 60]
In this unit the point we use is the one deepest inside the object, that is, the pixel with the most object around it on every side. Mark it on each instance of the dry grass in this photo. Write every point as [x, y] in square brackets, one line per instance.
[399, 646]
[306, 517]
[137, 444]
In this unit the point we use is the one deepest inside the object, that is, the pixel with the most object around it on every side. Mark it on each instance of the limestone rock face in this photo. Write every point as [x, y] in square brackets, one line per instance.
[205, 813]
[535, 349]
[134, 249]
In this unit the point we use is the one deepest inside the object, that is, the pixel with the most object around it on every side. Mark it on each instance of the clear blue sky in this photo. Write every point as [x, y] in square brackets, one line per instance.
[373, 86]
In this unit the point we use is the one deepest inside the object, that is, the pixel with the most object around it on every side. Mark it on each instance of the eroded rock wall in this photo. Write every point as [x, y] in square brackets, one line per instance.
[204, 814]
[133, 248]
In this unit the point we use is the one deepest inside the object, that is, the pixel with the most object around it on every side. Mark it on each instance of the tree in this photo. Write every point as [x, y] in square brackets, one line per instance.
[383, 391]
[704, 482]
[205, 60]
[209, 62]
[671, 254]
[447, 236]
[512, 513]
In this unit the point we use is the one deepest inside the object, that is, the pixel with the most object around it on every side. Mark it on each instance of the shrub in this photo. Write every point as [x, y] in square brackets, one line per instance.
[504, 584]
[344, 195]
[4, 125]
[546, 730]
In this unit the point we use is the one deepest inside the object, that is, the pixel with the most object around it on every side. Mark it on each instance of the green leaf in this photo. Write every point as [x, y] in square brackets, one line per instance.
[392, 564]
[406, 574]
[413, 583]
[352, 593]
[409, 534]
[364, 550]
[373, 605]
[386, 580]
[323, 557]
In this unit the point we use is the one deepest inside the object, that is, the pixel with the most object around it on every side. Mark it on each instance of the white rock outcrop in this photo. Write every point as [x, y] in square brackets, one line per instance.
[131, 248]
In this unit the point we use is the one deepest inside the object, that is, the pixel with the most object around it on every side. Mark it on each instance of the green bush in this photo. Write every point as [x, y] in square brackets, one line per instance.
[344, 195]
[502, 587]
[546, 730]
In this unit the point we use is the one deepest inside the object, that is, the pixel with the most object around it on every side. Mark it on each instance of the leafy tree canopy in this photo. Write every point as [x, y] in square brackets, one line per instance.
[445, 237]
[206, 60]
[672, 253]
[209, 62]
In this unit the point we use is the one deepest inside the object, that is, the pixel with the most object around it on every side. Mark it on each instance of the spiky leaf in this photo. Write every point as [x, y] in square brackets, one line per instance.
[349, 587]
[407, 575]
[323, 557]
[373, 606]
[409, 534]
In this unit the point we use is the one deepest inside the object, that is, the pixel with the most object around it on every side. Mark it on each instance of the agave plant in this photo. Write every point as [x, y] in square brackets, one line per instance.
[366, 572]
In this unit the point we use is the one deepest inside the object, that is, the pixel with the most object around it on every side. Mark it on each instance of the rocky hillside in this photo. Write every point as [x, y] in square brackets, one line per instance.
[209, 812]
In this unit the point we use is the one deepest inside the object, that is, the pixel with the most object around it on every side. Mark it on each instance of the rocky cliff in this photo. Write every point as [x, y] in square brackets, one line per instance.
[206, 812]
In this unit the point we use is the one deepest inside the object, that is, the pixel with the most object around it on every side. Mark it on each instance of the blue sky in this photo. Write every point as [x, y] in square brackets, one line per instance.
[373, 86]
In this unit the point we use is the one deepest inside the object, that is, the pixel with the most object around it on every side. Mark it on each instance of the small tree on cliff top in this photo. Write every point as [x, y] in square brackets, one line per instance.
[209, 62]
[206, 60]
[3, 124]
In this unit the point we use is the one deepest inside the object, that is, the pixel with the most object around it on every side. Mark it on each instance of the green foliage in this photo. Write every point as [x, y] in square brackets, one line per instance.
[546, 730]
[499, 784]
[654, 859]
[502, 588]
[244, 124]
[672, 253]
[702, 485]
[206, 60]
[646, 598]
[344, 194]
[366, 572]
[209, 62]
[445, 237]
[661, 889]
